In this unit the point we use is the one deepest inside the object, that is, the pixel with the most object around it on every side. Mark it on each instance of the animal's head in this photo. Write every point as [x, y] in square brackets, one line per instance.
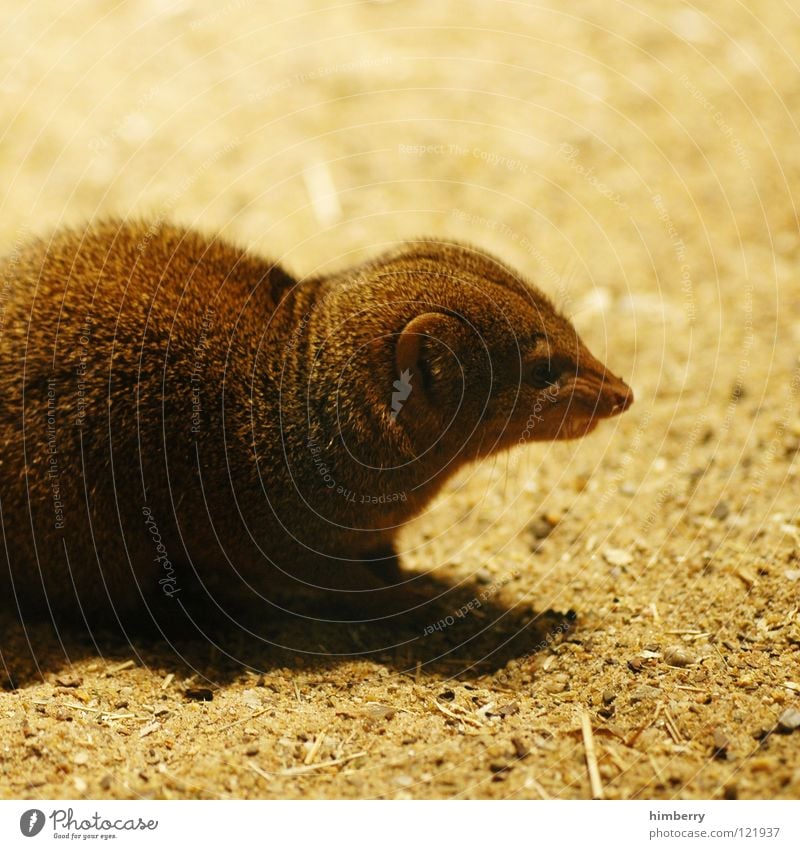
[484, 359]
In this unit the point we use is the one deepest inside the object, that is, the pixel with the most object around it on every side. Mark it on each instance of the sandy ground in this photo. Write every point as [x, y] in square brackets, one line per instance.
[639, 590]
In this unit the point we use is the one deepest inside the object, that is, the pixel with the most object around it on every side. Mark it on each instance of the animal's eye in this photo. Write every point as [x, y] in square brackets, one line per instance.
[542, 374]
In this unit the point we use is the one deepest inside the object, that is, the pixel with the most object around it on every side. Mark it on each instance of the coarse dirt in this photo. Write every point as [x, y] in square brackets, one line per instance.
[639, 588]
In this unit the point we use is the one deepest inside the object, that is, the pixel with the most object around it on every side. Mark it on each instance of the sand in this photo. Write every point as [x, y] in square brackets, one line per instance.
[624, 619]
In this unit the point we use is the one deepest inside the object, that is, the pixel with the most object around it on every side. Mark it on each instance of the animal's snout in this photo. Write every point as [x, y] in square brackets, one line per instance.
[613, 396]
[622, 397]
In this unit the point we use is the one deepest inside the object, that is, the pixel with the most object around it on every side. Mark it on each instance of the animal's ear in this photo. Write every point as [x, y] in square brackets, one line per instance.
[425, 343]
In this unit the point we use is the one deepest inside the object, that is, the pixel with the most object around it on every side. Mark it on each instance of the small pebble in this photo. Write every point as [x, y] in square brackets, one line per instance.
[635, 664]
[617, 556]
[540, 528]
[252, 699]
[581, 482]
[557, 683]
[644, 692]
[608, 697]
[721, 511]
[721, 743]
[789, 721]
[377, 712]
[678, 656]
[521, 750]
[70, 681]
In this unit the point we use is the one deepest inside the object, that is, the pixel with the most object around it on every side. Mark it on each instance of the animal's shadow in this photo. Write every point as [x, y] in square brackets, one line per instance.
[463, 633]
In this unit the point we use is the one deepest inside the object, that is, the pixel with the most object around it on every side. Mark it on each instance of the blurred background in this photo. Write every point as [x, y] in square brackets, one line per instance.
[638, 161]
[635, 160]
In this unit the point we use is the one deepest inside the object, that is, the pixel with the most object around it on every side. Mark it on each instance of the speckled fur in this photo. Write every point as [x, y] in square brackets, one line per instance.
[182, 420]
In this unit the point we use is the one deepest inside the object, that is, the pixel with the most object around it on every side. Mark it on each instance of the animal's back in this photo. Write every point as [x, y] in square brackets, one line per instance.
[110, 386]
[179, 420]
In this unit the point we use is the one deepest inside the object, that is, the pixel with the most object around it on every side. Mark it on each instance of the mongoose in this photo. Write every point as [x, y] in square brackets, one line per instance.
[180, 418]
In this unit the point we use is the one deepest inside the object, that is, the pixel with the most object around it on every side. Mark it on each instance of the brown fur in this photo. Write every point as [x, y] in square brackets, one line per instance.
[180, 418]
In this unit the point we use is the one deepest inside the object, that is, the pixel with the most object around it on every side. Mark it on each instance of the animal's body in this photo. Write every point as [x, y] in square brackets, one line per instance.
[180, 418]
